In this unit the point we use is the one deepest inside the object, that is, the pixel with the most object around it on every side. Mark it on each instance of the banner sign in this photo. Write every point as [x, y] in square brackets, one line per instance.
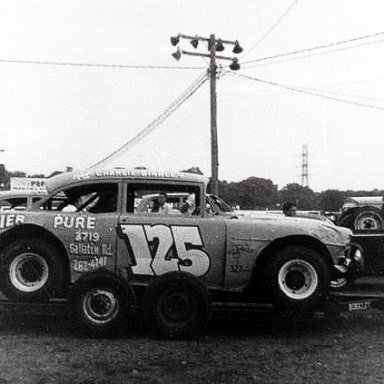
[27, 184]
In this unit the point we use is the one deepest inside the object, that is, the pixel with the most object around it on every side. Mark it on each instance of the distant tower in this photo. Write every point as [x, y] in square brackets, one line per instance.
[304, 167]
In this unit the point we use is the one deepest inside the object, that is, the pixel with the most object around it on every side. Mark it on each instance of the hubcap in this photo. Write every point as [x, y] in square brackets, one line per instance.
[28, 272]
[298, 279]
[100, 306]
[368, 221]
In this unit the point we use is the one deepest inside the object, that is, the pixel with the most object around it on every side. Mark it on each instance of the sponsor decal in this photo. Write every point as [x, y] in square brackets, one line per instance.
[159, 249]
[126, 173]
[8, 220]
[87, 253]
[87, 249]
[76, 222]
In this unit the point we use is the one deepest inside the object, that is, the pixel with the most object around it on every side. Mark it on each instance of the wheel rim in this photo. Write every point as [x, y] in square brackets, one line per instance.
[28, 272]
[298, 279]
[175, 307]
[368, 221]
[100, 306]
[339, 283]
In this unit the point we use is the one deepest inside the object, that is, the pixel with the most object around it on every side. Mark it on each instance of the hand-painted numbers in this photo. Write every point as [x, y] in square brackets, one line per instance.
[89, 265]
[185, 241]
[86, 236]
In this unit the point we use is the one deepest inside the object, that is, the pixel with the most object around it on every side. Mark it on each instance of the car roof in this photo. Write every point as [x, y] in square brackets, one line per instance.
[8, 194]
[67, 178]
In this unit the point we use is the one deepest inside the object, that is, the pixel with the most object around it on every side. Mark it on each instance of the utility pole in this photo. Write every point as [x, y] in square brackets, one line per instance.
[304, 167]
[214, 45]
[214, 143]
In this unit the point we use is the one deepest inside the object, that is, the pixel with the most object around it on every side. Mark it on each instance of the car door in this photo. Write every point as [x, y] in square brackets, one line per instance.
[89, 235]
[160, 243]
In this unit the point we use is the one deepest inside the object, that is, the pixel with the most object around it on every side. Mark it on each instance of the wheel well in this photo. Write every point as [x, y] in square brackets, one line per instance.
[267, 252]
[30, 230]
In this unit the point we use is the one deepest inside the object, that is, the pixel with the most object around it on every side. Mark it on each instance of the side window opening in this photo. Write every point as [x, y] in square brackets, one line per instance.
[163, 200]
[18, 203]
[93, 198]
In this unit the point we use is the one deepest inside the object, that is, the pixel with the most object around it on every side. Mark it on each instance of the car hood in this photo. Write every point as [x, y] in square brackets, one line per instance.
[271, 226]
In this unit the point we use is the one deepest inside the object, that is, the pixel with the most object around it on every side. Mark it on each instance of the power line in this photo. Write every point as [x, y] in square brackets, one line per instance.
[95, 65]
[309, 93]
[147, 130]
[336, 43]
[272, 28]
[313, 54]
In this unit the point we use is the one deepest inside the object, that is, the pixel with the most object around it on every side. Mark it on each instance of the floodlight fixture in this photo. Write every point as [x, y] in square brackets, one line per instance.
[237, 48]
[176, 55]
[195, 42]
[219, 46]
[234, 65]
[175, 40]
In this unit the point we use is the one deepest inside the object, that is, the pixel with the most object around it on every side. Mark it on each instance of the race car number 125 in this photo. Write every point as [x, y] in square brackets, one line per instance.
[186, 241]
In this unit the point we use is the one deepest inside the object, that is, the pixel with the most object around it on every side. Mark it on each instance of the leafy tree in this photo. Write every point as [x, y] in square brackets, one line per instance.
[330, 200]
[251, 193]
[17, 174]
[303, 197]
[195, 170]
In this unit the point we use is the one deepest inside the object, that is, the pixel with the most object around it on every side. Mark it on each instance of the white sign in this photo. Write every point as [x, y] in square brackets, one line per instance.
[27, 184]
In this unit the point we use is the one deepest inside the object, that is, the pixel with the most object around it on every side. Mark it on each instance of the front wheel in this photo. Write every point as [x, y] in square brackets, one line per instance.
[299, 278]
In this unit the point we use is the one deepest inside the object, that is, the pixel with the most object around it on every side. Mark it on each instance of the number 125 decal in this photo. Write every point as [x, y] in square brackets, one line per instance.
[178, 249]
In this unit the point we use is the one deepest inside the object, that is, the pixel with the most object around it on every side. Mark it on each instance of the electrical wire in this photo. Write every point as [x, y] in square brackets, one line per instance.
[153, 125]
[69, 64]
[309, 92]
[334, 44]
[279, 20]
[265, 93]
[313, 54]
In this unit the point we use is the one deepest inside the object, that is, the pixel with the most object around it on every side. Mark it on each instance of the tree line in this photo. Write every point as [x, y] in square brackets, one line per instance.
[258, 193]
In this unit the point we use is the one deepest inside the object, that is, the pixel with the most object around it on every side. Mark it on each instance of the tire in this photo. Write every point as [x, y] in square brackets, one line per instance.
[368, 219]
[299, 278]
[347, 219]
[31, 270]
[101, 304]
[176, 305]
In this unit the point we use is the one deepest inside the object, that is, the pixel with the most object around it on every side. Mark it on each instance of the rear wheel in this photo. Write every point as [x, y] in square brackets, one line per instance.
[31, 270]
[299, 278]
[177, 305]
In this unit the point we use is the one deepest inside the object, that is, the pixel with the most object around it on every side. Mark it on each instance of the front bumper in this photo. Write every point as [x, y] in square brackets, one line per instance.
[352, 263]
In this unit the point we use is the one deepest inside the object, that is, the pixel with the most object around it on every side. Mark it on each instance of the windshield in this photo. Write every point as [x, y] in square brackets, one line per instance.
[218, 204]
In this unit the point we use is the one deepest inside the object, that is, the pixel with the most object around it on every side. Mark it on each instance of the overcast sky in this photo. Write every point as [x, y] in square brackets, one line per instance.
[53, 116]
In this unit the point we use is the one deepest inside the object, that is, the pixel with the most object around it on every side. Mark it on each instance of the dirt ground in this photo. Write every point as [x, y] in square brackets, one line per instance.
[237, 348]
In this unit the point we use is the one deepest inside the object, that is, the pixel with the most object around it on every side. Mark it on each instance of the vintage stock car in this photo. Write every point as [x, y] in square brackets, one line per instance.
[97, 239]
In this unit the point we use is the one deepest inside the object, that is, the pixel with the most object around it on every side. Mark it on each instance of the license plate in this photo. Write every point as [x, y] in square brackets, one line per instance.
[359, 306]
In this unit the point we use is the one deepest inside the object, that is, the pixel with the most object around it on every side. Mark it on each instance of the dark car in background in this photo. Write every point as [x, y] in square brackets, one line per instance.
[364, 213]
